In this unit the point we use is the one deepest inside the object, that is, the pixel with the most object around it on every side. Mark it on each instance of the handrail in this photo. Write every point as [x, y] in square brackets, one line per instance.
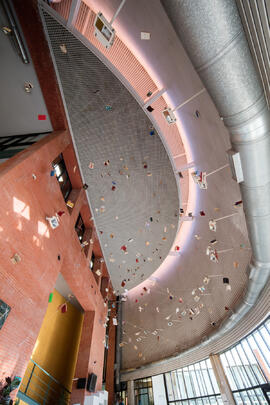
[38, 389]
[49, 375]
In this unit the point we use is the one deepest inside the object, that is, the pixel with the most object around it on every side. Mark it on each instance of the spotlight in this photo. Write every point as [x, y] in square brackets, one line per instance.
[169, 116]
[104, 32]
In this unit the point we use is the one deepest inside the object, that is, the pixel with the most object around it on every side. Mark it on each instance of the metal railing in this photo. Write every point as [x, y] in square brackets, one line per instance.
[39, 387]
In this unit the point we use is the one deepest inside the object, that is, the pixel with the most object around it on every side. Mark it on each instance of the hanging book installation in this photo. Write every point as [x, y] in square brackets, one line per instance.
[200, 178]
[212, 253]
[16, 258]
[53, 221]
[224, 279]
[63, 308]
[70, 204]
[213, 222]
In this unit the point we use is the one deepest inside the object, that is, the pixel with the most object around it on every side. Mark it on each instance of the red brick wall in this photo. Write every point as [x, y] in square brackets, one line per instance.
[26, 286]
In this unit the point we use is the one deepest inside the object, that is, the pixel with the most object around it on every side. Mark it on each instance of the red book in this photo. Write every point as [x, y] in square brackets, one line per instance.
[41, 117]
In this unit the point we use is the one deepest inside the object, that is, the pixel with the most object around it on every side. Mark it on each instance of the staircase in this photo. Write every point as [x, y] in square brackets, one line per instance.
[38, 387]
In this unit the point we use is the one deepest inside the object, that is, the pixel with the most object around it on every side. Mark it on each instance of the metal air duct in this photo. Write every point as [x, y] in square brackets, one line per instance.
[213, 36]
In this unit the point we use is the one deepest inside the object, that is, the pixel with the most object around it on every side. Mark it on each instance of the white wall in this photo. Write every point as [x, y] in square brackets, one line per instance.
[159, 390]
[19, 110]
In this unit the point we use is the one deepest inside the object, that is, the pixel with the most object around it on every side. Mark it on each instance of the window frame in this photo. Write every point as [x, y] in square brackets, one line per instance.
[59, 162]
[80, 232]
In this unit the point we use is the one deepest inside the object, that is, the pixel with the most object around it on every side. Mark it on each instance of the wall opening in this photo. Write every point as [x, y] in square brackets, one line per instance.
[50, 371]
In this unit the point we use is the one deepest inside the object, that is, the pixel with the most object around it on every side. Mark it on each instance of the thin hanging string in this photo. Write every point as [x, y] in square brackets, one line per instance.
[217, 170]
[226, 216]
[225, 250]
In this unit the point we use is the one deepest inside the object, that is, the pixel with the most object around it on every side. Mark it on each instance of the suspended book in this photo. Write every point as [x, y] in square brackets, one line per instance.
[200, 179]
[212, 253]
[212, 225]
[53, 221]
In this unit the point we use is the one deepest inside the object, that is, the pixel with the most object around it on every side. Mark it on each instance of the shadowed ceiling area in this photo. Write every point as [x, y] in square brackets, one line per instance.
[132, 186]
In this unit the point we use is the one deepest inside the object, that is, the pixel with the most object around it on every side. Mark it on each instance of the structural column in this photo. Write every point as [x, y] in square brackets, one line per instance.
[223, 384]
[130, 390]
[111, 358]
[118, 349]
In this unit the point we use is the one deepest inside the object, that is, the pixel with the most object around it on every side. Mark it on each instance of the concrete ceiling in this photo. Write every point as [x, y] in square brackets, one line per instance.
[157, 324]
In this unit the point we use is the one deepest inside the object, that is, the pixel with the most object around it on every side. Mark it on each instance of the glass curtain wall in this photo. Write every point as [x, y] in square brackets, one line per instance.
[247, 367]
[143, 391]
[193, 385]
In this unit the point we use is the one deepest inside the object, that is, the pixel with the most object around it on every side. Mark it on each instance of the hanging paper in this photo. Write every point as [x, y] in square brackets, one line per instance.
[212, 225]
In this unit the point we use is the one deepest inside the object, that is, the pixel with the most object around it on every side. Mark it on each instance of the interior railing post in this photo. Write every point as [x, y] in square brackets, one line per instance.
[28, 382]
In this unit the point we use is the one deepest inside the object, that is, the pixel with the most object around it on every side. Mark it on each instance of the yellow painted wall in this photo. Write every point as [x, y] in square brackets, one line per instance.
[57, 345]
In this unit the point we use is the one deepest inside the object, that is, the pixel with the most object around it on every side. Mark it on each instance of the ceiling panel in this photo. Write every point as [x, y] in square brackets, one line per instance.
[132, 187]
[150, 334]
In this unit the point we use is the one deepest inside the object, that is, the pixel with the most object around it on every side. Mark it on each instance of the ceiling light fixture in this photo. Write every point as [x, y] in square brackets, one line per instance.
[104, 31]
[235, 165]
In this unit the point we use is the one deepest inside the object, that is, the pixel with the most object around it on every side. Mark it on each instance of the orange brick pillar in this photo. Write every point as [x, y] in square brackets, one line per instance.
[91, 354]
[111, 358]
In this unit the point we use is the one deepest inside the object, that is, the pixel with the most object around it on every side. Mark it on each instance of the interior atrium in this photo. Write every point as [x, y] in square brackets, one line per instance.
[135, 209]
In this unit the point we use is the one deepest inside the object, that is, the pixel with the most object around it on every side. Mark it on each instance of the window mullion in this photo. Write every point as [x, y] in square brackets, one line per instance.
[195, 371]
[209, 376]
[260, 350]
[192, 384]
[203, 379]
[251, 384]
[247, 340]
[265, 342]
[251, 368]
[233, 376]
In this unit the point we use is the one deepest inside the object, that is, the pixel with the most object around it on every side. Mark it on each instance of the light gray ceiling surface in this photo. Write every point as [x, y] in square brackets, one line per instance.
[148, 334]
[132, 187]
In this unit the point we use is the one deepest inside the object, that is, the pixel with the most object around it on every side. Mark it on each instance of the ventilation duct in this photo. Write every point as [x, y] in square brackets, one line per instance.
[213, 36]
